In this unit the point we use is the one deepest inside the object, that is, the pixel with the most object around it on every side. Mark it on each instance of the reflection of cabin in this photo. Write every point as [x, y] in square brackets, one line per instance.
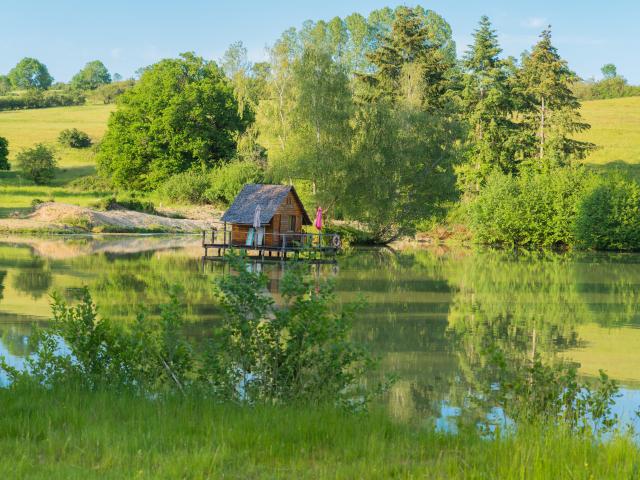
[282, 218]
[281, 213]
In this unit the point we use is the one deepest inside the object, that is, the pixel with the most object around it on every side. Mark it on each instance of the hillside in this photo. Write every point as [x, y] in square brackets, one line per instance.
[24, 128]
[615, 128]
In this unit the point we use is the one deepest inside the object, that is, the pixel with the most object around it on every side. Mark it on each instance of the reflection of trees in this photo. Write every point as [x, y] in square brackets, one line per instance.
[3, 275]
[34, 279]
[15, 339]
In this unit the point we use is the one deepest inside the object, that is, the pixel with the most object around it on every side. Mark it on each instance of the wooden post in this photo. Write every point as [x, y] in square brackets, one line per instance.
[203, 236]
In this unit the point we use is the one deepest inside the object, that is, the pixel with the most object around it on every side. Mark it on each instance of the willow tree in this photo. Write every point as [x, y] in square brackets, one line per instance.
[305, 120]
[551, 111]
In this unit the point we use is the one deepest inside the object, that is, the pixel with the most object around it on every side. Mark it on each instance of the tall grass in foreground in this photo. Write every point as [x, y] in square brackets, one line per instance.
[72, 434]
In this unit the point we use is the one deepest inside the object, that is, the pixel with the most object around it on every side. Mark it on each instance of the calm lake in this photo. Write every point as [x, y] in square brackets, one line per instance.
[429, 314]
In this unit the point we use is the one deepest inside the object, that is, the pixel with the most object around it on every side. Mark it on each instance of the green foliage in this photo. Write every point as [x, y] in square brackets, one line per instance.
[261, 353]
[550, 110]
[609, 216]
[30, 73]
[91, 183]
[5, 85]
[298, 351]
[109, 93]
[536, 209]
[227, 180]
[37, 164]
[74, 138]
[609, 71]
[40, 99]
[4, 154]
[488, 102]
[93, 75]
[532, 392]
[126, 202]
[189, 187]
[180, 114]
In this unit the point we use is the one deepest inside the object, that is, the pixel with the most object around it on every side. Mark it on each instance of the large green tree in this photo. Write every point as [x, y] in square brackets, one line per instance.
[415, 56]
[91, 76]
[488, 105]
[30, 73]
[550, 109]
[182, 113]
[404, 128]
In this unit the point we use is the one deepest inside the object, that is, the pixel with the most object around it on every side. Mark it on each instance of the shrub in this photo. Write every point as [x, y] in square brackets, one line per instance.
[127, 202]
[110, 92]
[609, 216]
[189, 187]
[74, 138]
[4, 154]
[37, 164]
[298, 351]
[91, 183]
[39, 99]
[227, 180]
[537, 209]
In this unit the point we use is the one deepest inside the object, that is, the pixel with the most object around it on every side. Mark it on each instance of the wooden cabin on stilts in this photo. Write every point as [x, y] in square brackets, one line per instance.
[267, 221]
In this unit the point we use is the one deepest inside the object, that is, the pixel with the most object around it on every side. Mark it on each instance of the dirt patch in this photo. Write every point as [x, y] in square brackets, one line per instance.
[62, 217]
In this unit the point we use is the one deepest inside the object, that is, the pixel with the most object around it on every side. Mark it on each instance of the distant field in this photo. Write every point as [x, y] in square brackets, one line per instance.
[25, 128]
[615, 128]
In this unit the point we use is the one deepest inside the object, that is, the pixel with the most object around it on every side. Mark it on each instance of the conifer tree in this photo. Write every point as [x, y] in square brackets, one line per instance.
[551, 110]
[488, 105]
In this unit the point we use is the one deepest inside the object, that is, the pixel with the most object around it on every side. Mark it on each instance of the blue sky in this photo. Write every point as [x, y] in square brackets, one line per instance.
[125, 35]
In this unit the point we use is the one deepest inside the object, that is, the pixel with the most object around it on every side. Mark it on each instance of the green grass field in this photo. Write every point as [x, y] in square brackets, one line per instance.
[25, 128]
[615, 128]
[67, 434]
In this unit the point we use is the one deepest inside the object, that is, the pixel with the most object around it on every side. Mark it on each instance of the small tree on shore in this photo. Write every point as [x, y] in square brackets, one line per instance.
[37, 164]
[4, 154]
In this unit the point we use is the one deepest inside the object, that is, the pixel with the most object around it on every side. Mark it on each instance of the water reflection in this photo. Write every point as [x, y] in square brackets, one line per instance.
[429, 315]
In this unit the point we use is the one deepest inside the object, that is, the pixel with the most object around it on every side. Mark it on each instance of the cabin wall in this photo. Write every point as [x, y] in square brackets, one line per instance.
[290, 207]
[239, 234]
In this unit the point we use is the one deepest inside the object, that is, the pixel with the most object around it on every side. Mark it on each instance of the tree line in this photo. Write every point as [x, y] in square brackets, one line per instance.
[375, 116]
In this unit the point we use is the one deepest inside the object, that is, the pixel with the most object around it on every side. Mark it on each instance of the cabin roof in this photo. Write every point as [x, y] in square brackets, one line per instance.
[269, 197]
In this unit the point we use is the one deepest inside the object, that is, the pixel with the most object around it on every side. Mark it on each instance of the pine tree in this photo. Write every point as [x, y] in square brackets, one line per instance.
[551, 110]
[488, 105]
[411, 53]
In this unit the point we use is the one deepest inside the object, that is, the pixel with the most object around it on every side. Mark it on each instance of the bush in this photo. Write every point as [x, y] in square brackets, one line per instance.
[37, 164]
[110, 92]
[537, 209]
[261, 353]
[4, 154]
[189, 187]
[91, 183]
[609, 216]
[74, 138]
[39, 99]
[228, 180]
[126, 203]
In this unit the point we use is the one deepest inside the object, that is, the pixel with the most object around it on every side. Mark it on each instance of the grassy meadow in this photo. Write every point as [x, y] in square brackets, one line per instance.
[82, 435]
[615, 129]
[25, 128]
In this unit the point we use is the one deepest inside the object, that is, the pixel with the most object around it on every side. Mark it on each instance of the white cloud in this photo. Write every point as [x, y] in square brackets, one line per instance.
[535, 22]
[115, 53]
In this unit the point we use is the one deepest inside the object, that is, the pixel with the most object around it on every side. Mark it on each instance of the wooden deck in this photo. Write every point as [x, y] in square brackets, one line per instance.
[283, 246]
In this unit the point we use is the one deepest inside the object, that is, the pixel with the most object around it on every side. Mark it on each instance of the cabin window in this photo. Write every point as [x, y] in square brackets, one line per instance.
[292, 223]
[288, 201]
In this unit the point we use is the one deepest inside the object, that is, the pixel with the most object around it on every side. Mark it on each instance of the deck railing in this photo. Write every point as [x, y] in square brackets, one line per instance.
[285, 241]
